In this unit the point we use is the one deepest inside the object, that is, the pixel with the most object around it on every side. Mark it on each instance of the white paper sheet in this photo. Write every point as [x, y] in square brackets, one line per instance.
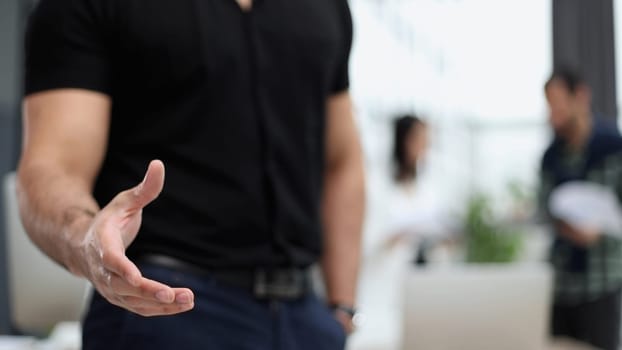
[587, 205]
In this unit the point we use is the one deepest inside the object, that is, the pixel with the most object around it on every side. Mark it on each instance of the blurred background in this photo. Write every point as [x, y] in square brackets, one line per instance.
[474, 70]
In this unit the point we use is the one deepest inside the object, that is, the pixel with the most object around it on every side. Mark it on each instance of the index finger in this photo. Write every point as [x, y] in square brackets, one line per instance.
[120, 265]
[151, 290]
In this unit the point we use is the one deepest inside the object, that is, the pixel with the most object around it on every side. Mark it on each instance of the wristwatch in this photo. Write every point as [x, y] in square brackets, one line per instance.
[348, 310]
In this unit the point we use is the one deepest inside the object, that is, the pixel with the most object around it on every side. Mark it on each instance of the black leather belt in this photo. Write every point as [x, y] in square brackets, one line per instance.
[279, 283]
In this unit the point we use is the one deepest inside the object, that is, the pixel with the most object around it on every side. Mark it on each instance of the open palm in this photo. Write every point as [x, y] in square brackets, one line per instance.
[104, 261]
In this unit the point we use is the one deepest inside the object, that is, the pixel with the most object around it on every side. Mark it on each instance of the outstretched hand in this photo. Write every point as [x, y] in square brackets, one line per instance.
[102, 258]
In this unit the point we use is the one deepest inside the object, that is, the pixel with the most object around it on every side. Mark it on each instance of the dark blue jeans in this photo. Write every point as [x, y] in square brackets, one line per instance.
[224, 318]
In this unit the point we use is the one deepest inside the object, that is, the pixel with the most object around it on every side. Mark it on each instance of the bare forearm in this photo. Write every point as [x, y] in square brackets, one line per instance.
[343, 207]
[56, 209]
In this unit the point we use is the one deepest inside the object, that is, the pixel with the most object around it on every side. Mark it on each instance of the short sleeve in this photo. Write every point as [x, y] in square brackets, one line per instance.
[342, 78]
[65, 47]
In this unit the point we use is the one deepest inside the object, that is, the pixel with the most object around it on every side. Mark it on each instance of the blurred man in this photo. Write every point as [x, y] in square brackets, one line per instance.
[587, 263]
[246, 104]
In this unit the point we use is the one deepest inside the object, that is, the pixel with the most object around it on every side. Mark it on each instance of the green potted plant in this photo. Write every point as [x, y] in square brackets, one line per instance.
[489, 240]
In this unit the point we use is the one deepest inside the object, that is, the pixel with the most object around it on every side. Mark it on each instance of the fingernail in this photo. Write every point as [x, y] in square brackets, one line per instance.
[184, 298]
[164, 296]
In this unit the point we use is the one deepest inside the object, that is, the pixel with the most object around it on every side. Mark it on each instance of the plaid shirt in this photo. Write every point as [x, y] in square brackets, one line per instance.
[583, 275]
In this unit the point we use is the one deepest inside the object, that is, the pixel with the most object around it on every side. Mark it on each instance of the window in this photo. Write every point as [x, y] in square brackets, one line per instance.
[474, 69]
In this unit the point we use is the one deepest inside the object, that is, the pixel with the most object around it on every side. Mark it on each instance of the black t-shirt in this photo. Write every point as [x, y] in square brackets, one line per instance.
[233, 102]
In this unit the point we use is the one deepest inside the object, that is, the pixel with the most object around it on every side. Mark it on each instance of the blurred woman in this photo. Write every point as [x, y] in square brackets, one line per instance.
[410, 211]
[415, 213]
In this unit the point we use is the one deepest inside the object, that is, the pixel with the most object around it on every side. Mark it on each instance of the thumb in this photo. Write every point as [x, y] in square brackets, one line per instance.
[145, 192]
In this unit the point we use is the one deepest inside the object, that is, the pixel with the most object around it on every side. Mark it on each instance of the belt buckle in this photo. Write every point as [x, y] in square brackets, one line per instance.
[279, 284]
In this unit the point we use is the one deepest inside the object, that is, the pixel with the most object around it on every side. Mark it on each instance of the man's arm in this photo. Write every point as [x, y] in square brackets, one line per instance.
[343, 203]
[64, 144]
[65, 140]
